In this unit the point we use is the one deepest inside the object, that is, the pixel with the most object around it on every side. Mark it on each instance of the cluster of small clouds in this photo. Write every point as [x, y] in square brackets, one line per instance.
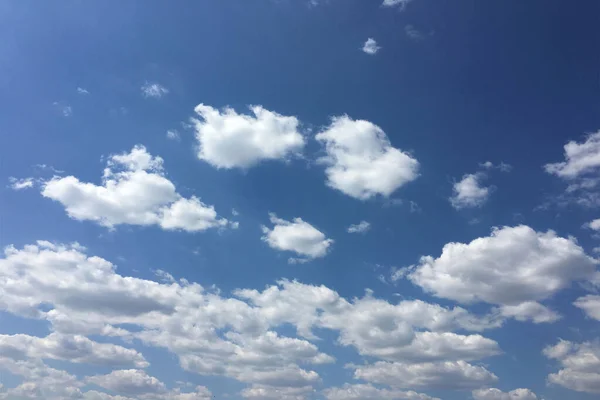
[84, 297]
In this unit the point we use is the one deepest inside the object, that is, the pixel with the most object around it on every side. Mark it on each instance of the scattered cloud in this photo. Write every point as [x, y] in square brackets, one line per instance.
[172, 134]
[46, 167]
[457, 375]
[154, 90]
[371, 47]
[469, 192]
[502, 166]
[81, 90]
[396, 3]
[580, 365]
[514, 267]
[497, 394]
[228, 140]
[580, 158]
[64, 109]
[216, 335]
[297, 236]
[73, 348]
[129, 382]
[590, 304]
[580, 172]
[20, 184]
[361, 227]
[361, 161]
[134, 191]
[413, 33]
[370, 392]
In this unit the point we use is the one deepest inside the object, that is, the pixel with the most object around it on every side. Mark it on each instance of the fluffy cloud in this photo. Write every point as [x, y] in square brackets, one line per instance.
[580, 363]
[134, 191]
[73, 348]
[298, 236]
[580, 158]
[530, 311]
[153, 90]
[468, 192]
[496, 394]
[590, 304]
[458, 375]
[370, 392]
[371, 47]
[20, 184]
[360, 160]
[230, 140]
[129, 381]
[361, 227]
[262, 392]
[512, 267]
[211, 334]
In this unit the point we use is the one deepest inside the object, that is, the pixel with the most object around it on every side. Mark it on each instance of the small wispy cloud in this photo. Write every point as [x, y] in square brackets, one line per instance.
[396, 3]
[413, 33]
[172, 134]
[154, 90]
[371, 47]
[361, 227]
[81, 90]
[503, 167]
[46, 167]
[20, 184]
[63, 108]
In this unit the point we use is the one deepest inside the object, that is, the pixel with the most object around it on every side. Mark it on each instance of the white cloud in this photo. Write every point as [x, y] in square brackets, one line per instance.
[211, 334]
[594, 225]
[512, 267]
[413, 33]
[129, 382]
[153, 90]
[73, 348]
[497, 394]
[298, 236]
[580, 158]
[64, 109]
[370, 392]
[20, 184]
[530, 311]
[458, 375]
[361, 227]
[172, 134]
[360, 160]
[134, 191]
[393, 3]
[468, 192]
[371, 47]
[263, 392]
[230, 140]
[503, 167]
[81, 90]
[580, 363]
[590, 304]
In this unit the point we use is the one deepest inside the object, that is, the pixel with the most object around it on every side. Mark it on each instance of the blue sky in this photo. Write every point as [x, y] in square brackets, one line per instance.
[332, 199]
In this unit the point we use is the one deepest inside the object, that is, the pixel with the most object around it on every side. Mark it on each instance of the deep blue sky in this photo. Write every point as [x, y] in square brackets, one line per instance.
[502, 81]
